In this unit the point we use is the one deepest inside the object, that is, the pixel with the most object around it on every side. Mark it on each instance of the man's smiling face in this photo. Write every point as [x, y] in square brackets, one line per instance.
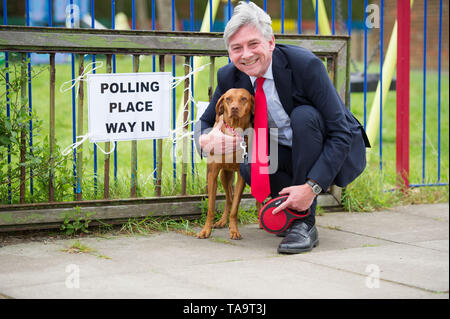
[250, 51]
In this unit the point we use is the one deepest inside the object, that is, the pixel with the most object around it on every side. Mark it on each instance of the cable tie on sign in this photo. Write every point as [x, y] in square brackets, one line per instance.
[83, 138]
[180, 79]
[81, 77]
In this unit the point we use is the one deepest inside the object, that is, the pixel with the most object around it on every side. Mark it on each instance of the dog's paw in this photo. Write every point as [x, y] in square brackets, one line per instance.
[205, 233]
[220, 223]
[235, 234]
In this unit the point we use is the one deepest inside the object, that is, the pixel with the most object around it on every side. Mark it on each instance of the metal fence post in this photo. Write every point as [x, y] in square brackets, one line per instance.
[134, 143]
[23, 146]
[51, 190]
[79, 164]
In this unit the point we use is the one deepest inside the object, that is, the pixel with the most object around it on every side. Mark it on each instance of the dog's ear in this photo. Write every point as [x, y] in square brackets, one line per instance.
[219, 107]
[252, 104]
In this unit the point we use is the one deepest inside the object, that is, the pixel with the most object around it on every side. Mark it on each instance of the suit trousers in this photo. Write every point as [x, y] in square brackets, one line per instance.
[294, 163]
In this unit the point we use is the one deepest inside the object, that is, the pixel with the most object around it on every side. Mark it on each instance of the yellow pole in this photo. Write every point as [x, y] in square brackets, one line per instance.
[389, 67]
[324, 25]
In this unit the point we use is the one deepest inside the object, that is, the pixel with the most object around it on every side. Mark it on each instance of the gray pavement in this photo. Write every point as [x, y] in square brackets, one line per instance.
[398, 253]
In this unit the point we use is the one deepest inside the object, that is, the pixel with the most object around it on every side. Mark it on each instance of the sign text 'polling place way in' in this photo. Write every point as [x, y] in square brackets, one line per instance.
[129, 106]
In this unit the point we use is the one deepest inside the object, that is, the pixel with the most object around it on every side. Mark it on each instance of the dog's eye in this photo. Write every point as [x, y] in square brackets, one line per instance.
[228, 99]
[244, 99]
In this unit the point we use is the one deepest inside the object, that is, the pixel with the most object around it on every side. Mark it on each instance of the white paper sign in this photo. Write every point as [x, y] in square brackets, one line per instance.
[129, 106]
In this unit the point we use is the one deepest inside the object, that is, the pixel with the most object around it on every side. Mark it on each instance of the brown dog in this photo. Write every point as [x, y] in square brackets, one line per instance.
[235, 108]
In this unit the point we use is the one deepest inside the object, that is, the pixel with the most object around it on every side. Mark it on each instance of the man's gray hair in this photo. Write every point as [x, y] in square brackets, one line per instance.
[248, 14]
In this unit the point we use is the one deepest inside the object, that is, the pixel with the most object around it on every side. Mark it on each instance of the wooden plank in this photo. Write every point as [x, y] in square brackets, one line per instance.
[34, 217]
[89, 41]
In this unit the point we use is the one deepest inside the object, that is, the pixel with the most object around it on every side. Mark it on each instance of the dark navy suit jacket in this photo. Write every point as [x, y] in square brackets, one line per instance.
[301, 79]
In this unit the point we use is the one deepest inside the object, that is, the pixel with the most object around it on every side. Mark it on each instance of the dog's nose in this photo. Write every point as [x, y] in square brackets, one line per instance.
[234, 109]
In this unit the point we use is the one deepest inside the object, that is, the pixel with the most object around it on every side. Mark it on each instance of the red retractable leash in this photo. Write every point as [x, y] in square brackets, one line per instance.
[279, 222]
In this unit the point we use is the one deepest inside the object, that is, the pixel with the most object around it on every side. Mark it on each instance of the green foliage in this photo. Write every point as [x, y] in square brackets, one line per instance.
[15, 141]
[76, 222]
[373, 191]
[149, 224]
[14, 127]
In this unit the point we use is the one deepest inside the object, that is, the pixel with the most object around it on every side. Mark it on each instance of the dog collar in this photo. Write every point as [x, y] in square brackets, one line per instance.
[233, 131]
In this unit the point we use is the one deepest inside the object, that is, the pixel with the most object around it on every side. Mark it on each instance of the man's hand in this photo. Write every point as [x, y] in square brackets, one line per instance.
[215, 142]
[300, 198]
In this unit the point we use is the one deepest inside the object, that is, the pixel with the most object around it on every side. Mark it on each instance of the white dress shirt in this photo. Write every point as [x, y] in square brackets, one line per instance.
[276, 115]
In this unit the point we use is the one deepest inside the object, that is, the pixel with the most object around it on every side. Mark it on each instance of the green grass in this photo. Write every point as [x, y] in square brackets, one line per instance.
[368, 192]
[77, 247]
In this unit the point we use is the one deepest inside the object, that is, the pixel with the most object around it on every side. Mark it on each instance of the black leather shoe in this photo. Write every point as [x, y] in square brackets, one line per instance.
[299, 238]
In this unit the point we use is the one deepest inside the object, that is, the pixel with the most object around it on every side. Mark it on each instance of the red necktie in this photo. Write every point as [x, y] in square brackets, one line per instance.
[260, 185]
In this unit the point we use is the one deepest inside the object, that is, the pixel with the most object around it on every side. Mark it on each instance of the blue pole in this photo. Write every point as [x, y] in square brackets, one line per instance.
[74, 136]
[133, 14]
[282, 16]
[113, 21]
[211, 16]
[27, 13]
[333, 9]
[191, 15]
[30, 100]
[5, 16]
[8, 105]
[154, 69]
[174, 109]
[93, 61]
[349, 19]
[154, 17]
[349, 30]
[133, 27]
[365, 64]
[299, 17]
[317, 16]
[424, 84]
[192, 92]
[50, 20]
[229, 16]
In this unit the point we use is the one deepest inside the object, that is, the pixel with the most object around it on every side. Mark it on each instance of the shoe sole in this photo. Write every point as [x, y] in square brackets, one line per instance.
[298, 251]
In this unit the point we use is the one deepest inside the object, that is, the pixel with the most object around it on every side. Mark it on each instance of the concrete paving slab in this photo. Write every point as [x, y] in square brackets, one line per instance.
[357, 258]
[441, 245]
[411, 266]
[401, 226]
